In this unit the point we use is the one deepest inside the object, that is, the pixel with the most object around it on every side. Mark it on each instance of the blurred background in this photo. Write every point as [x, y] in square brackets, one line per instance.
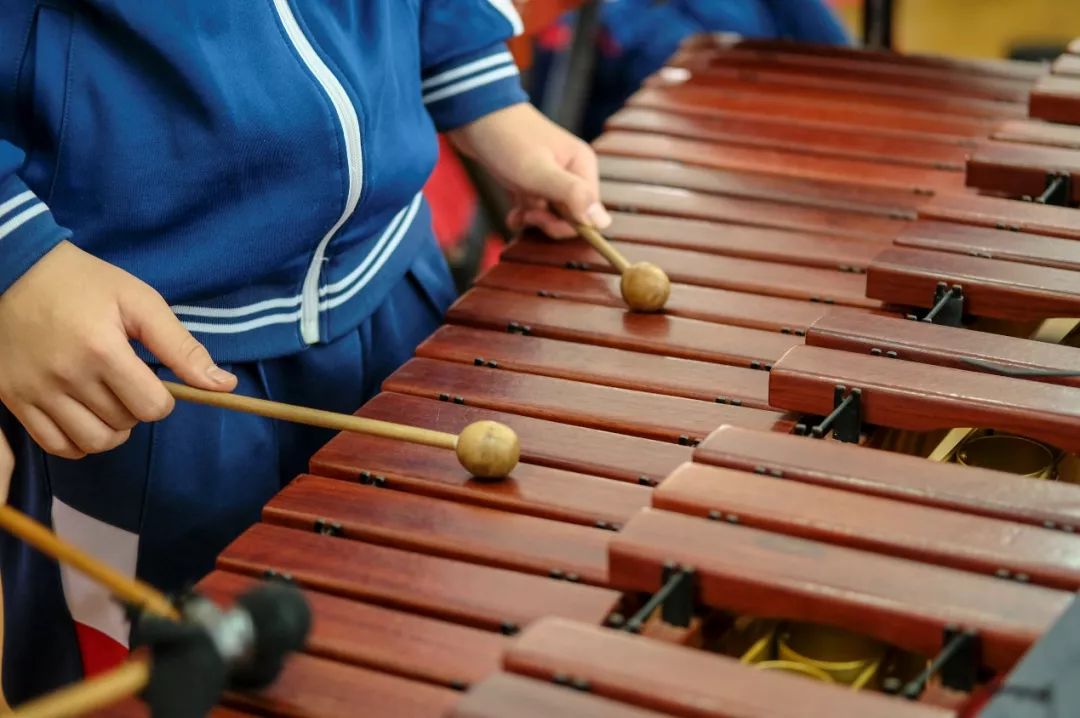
[976, 28]
[581, 60]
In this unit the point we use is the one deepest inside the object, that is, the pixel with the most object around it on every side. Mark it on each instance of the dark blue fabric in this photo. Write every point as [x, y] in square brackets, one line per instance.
[191, 143]
[39, 637]
[190, 484]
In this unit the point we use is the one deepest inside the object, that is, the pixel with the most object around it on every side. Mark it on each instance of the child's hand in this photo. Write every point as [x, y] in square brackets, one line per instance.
[7, 467]
[551, 173]
[67, 371]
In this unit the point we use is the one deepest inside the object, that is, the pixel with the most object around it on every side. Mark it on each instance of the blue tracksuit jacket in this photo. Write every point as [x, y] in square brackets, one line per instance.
[259, 163]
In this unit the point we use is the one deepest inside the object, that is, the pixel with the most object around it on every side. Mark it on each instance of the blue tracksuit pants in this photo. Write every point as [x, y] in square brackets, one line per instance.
[164, 504]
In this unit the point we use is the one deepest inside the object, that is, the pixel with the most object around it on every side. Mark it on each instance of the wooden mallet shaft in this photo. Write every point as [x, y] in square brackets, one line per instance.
[598, 242]
[125, 588]
[101, 691]
[486, 449]
[312, 417]
[644, 286]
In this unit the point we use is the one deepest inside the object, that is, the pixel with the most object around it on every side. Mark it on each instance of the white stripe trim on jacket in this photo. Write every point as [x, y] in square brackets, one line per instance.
[15, 202]
[335, 294]
[471, 84]
[468, 68]
[22, 218]
[506, 7]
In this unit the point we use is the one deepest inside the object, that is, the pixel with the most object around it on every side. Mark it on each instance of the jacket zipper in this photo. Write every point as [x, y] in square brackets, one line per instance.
[350, 127]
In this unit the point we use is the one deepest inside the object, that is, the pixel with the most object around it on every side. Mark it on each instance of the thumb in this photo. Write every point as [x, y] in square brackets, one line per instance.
[579, 197]
[148, 319]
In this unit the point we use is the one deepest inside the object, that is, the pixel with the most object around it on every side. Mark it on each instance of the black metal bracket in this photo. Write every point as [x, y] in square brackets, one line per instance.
[958, 663]
[845, 421]
[675, 599]
[948, 307]
[1058, 190]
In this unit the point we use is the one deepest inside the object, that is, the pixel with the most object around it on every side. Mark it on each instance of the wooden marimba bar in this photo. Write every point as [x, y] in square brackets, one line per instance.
[805, 465]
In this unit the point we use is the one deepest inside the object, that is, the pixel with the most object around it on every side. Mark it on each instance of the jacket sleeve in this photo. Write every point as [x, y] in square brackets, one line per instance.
[467, 71]
[27, 227]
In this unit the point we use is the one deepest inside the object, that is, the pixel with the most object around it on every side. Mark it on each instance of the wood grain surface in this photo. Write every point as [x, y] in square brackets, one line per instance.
[909, 395]
[902, 602]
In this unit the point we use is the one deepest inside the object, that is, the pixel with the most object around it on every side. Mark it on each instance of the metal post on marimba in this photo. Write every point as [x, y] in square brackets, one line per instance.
[878, 18]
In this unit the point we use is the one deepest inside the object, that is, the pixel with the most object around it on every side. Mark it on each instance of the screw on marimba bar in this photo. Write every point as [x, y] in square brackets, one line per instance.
[509, 628]
[328, 528]
[580, 684]
[556, 574]
[369, 479]
[615, 620]
[272, 575]
[573, 578]
[461, 686]
[518, 328]
[646, 481]
[560, 679]
[478, 361]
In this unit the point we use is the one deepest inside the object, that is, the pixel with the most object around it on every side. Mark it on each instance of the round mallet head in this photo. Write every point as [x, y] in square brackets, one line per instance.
[645, 287]
[281, 619]
[488, 449]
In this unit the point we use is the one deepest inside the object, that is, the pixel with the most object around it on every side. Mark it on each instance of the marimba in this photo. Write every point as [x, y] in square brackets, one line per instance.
[834, 478]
